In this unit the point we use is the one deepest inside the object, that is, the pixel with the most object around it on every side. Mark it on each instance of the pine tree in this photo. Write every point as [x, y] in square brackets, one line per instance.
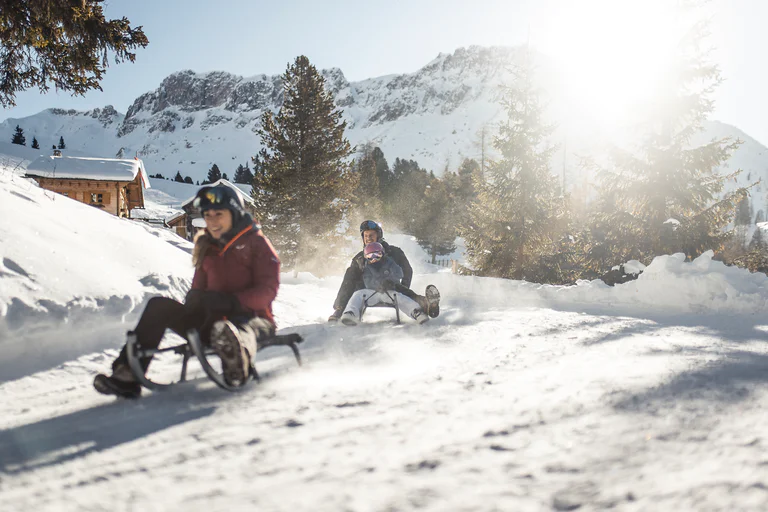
[303, 183]
[61, 143]
[663, 197]
[464, 188]
[435, 225]
[214, 175]
[243, 174]
[178, 178]
[383, 173]
[18, 137]
[225, 177]
[366, 198]
[513, 222]
[35, 144]
[188, 180]
[743, 212]
[61, 42]
[758, 241]
[406, 189]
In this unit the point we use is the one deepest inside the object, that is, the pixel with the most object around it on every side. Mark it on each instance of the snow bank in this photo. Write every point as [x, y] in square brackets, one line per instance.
[668, 286]
[73, 277]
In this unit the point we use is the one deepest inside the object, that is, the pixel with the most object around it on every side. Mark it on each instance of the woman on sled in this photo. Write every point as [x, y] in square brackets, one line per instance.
[237, 274]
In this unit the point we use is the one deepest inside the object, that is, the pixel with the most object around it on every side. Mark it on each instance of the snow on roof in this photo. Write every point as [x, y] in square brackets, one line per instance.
[174, 217]
[245, 197]
[88, 168]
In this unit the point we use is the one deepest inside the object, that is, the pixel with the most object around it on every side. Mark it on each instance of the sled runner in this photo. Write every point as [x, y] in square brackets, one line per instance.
[393, 296]
[195, 348]
[367, 304]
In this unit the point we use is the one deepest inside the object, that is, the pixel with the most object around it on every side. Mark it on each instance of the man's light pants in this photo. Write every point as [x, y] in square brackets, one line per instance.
[365, 298]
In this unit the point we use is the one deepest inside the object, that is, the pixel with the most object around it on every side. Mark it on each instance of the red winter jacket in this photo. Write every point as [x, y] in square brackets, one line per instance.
[247, 267]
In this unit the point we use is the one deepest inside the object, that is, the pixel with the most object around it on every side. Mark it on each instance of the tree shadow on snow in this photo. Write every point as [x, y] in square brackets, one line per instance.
[728, 381]
[71, 436]
[620, 324]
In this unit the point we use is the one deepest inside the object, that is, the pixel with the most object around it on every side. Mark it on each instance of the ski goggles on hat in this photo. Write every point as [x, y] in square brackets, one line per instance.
[369, 224]
[373, 257]
[211, 198]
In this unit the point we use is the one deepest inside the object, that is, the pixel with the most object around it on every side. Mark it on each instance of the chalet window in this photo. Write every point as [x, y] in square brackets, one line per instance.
[97, 198]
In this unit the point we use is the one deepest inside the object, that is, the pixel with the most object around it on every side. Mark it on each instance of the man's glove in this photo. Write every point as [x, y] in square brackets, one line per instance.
[218, 303]
[385, 286]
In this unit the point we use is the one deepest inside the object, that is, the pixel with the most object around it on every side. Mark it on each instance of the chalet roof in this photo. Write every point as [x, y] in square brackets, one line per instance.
[175, 217]
[245, 197]
[88, 168]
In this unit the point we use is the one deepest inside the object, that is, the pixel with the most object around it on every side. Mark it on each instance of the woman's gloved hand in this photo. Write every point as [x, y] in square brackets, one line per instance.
[218, 303]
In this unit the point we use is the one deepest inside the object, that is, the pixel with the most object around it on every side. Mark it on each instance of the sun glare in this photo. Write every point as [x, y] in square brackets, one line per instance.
[611, 54]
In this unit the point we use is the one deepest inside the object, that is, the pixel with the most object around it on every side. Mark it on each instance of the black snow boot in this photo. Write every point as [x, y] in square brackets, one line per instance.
[433, 299]
[121, 383]
[335, 316]
[230, 347]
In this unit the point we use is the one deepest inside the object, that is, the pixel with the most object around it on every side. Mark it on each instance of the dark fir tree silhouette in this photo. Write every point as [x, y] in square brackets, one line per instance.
[214, 174]
[243, 175]
[302, 182]
[18, 137]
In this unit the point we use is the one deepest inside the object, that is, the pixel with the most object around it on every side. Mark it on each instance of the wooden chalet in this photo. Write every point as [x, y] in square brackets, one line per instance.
[113, 185]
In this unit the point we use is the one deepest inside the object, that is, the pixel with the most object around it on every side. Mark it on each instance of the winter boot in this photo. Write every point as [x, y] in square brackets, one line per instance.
[235, 361]
[121, 383]
[433, 300]
[348, 318]
[335, 316]
[420, 316]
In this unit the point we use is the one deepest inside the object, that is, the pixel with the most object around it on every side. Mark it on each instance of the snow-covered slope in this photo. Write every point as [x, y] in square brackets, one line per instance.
[65, 265]
[646, 396]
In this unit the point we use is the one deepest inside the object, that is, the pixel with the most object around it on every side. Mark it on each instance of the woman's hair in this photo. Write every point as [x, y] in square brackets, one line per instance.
[203, 242]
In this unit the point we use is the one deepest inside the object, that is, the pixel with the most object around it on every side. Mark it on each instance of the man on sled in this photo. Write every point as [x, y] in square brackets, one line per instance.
[382, 278]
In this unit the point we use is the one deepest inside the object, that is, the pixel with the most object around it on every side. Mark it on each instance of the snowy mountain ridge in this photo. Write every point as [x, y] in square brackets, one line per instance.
[434, 116]
[192, 120]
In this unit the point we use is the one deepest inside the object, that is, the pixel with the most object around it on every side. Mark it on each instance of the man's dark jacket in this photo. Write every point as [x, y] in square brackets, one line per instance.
[353, 277]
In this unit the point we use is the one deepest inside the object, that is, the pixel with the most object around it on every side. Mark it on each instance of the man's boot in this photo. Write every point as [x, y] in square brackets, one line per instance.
[335, 316]
[420, 316]
[433, 301]
[121, 383]
[349, 318]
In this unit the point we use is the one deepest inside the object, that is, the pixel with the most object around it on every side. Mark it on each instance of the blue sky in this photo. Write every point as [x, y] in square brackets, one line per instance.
[373, 38]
